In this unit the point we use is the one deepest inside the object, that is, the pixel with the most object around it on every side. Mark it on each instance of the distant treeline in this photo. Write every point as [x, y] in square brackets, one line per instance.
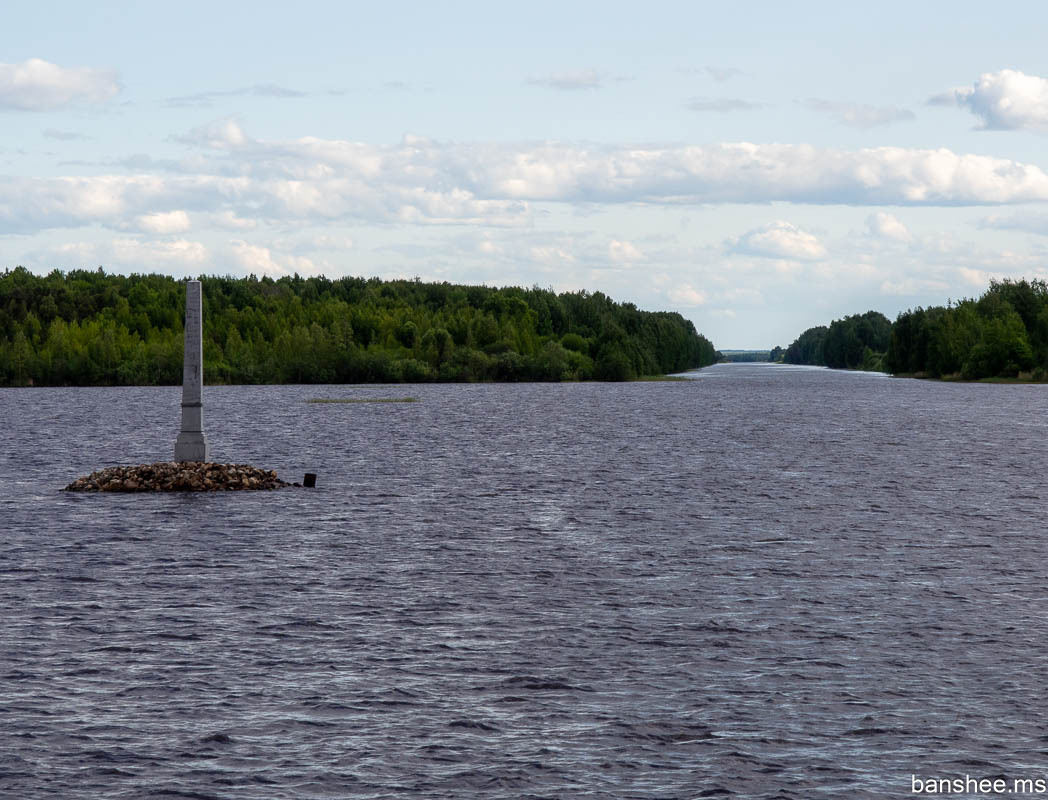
[855, 342]
[1003, 334]
[745, 356]
[90, 328]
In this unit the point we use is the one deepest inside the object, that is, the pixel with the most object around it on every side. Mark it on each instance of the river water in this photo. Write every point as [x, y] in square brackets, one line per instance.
[763, 582]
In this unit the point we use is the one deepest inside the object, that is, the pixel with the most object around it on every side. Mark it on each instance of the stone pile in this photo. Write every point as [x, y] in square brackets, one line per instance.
[175, 476]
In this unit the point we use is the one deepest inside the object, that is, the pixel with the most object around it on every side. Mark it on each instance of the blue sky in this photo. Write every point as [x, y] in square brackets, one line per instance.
[759, 167]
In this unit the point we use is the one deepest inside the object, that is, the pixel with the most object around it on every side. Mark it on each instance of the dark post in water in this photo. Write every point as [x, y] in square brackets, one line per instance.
[191, 444]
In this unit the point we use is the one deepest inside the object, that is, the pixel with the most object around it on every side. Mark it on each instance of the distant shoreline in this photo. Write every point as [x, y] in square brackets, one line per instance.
[955, 378]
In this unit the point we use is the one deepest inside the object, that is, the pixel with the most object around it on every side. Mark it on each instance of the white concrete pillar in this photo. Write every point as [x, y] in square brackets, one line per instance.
[191, 444]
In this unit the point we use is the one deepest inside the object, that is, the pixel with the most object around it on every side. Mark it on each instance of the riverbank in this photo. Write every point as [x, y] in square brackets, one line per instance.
[1021, 378]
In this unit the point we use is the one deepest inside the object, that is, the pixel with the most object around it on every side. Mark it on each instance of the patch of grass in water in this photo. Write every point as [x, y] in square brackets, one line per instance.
[362, 400]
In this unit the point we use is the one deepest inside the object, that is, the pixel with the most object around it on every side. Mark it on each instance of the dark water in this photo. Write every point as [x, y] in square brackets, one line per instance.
[766, 582]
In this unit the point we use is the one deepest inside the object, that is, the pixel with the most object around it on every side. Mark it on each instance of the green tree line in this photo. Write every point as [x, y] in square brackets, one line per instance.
[744, 356]
[855, 342]
[92, 328]
[1002, 334]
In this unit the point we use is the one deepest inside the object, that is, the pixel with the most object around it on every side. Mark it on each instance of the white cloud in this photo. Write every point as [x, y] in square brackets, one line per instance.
[887, 226]
[977, 278]
[164, 222]
[740, 294]
[488, 247]
[38, 85]
[424, 205]
[329, 243]
[779, 240]
[739, 172]
[223, 134]
[686, 296]
[623, 252]
[909, 286]
[207, 99]
[28, 204]
[234, 181]
[228, 220]
[551, 255]
[1004, 100]
[146, 253]
[131, 253]
[309, 245]
[855, 115]
[257, 259]
[572, 81]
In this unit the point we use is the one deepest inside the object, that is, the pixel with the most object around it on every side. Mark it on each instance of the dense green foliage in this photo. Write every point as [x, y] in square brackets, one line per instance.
[1001, 335]
[90, 328]
[807, 348]
[855, 342]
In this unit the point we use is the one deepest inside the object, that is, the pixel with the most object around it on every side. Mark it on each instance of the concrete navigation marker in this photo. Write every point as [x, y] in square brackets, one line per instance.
[192, 470]
[191, 444]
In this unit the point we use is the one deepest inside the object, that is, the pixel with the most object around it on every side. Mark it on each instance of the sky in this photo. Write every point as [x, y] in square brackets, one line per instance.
[759, 167]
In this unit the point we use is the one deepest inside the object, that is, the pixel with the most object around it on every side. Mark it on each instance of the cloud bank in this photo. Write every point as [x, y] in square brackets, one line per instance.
[38, 85]
[233, 177]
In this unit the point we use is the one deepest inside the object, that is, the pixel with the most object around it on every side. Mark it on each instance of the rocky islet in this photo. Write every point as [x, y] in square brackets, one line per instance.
[175, 476]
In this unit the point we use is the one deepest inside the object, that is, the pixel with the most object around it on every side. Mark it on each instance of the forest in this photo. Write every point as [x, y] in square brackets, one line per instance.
[89, 328]
[1003, 334]
[855, 342]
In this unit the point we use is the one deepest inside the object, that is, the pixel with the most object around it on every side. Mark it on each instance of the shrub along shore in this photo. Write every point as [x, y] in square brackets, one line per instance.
[89, 328]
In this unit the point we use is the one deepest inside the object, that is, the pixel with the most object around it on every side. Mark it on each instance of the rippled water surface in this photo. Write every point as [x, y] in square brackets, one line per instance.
[764, 582]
